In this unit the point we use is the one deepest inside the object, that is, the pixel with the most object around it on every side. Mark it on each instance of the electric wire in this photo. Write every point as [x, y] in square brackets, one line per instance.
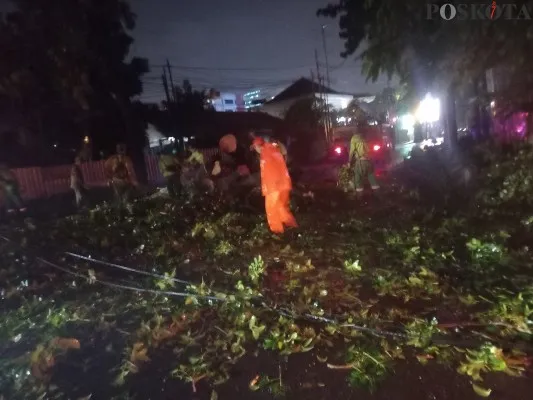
[125, 268]
[202, 68]
[125, 287]
[255, 302]
[280, 311]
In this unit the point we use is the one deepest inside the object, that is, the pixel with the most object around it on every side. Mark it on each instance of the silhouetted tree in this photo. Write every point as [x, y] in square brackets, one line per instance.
[184, 114]
[69, 58]
[303, 122]
[304, 116]
[397, 37]
[188, 109]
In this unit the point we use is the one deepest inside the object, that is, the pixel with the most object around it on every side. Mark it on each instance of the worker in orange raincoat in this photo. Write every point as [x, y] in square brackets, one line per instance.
[276, 186]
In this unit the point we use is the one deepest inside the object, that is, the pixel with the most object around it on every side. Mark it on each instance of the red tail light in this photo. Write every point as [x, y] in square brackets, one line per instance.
[338, 150]
[376, 147]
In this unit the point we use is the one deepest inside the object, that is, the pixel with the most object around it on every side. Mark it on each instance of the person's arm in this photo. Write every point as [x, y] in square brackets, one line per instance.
[72, 177]
[108, 170]
[162, 165]
[217, 167]
[131, 172]
[80, 176]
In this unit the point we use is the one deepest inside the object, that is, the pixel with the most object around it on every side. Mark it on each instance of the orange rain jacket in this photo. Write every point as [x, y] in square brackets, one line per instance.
[274, 173]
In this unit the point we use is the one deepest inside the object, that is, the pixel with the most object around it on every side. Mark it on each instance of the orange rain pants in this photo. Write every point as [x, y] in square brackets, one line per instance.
[276, 186]
[278, 213]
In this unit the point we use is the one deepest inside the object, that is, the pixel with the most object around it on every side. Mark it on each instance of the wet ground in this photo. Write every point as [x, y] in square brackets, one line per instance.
[88, 373]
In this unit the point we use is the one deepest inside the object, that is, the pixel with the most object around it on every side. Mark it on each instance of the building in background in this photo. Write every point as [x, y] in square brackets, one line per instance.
[226, 102]
[301, 89]
[254, 99]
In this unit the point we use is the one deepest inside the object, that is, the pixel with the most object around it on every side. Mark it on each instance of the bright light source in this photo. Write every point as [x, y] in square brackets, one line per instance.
[171, 139]
[492, 104]
[376, 147]
[55, 145]
[86, 139]
[185, 139]
[429, 110]
[341, 119]
[338, 150]
[407, 121]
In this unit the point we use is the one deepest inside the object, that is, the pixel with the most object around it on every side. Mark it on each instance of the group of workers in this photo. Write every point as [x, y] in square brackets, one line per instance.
[234, 166]
[120, 176]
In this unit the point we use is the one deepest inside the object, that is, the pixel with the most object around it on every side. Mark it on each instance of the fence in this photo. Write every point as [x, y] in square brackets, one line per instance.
[38, 183]
[152, 165]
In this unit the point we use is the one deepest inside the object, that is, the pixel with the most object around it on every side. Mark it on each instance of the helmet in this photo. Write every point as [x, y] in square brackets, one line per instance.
[228, 143]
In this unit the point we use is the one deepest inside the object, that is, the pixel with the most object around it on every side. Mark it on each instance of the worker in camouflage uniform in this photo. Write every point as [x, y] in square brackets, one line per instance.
[121, 175]
[361, 164]
[236, 167]
[170, 168]
[194, 176]
[77, 183]
[11, 191]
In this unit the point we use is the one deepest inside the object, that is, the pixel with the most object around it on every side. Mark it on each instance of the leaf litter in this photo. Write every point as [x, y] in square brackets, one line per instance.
[361, 290]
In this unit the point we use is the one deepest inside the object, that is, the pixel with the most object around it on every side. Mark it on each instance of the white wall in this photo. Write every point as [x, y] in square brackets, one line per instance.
[278, 109]
[227, 102]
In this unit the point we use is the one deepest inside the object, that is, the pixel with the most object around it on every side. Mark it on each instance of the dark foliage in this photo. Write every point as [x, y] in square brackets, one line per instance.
[66, 72]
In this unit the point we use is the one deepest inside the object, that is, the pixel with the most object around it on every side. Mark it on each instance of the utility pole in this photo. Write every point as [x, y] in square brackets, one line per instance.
[319, 79]
[170, 99]
[172, 103]
[326, 54]
[314, 97]
[172, 87]
[165, 86]
[328, 114]
[323, 97]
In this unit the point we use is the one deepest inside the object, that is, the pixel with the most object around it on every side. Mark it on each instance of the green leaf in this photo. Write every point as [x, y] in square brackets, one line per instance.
[481, 391]
[321, 359]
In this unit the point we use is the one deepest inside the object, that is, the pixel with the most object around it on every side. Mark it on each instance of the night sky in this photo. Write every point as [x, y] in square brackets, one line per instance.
[238, 45]
[253, 43]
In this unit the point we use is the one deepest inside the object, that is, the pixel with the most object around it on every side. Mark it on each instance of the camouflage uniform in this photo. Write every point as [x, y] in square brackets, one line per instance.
[361, 164]
[121, 176]
[194, 176]
[171, 170]
[10, 189]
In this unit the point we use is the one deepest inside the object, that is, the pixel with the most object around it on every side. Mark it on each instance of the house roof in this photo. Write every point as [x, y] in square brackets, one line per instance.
[243, 120]
[302, 87]
[217, 124]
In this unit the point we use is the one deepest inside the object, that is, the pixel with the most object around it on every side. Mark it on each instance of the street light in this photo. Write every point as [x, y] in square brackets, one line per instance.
[429, 110]
[407, 122]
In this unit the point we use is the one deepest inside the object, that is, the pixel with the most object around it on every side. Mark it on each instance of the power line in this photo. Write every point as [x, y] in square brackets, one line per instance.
[186, 67]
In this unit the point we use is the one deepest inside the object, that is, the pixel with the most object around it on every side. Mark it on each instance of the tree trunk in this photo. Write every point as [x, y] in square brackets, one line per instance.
[135, 139]
[450, 120]
[477, 111]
